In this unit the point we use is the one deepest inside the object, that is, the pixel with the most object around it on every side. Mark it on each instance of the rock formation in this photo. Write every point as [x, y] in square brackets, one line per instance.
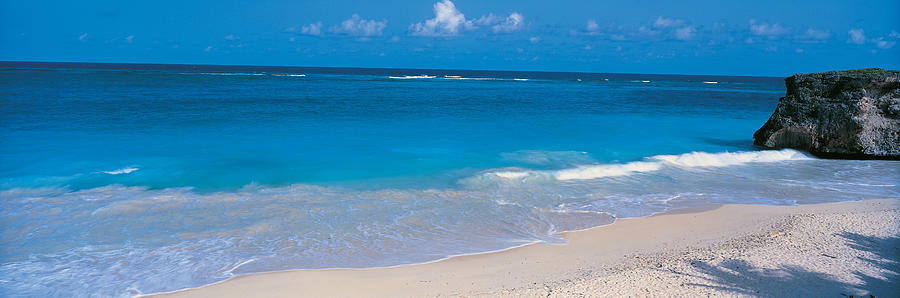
[838, 114]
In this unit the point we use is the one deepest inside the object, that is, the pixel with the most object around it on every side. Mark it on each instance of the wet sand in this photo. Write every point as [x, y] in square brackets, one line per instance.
[848, 248]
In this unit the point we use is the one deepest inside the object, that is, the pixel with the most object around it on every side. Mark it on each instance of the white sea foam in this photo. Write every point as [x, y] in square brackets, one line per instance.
[230, 271]
[609, 170]
[704, 159]
[121, 171]
[687, 160]
[711, 82]
[655, 163]
[506, 203]
[466, 78]
[518, 79]
[502, 174]
[511, 175]
[412, 77]
[867, 184]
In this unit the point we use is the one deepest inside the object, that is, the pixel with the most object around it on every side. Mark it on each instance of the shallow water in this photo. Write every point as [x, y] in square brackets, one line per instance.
[121, 180]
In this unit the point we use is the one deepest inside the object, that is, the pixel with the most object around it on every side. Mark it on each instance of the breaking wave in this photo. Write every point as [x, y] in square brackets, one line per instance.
[121, 171]
[655, 163]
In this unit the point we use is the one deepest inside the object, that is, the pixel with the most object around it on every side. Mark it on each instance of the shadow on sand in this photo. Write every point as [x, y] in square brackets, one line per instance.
[741, 278]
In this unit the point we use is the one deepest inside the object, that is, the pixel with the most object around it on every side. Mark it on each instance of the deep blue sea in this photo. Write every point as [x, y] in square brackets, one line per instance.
[118, 180]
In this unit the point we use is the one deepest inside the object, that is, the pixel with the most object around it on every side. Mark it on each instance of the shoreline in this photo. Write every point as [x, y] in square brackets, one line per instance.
[691, 209]
[681, 210]
[586, 253]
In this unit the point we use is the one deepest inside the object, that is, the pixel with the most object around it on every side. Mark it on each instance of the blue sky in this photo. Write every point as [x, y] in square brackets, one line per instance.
[775, 38]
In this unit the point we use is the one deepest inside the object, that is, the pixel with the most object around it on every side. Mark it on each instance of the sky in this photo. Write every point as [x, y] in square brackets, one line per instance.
[762, 38]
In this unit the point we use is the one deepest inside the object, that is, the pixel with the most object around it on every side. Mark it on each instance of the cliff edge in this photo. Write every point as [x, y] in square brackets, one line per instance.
[838, 114]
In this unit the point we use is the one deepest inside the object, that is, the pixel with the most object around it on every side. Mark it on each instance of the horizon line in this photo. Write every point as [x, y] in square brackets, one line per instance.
[376, 68]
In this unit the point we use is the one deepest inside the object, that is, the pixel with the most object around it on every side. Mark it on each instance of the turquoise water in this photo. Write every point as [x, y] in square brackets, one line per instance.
[157, 178]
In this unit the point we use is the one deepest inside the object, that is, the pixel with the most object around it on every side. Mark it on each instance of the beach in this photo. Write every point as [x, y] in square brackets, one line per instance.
[449, 148]
[234, 172]
[830, 249]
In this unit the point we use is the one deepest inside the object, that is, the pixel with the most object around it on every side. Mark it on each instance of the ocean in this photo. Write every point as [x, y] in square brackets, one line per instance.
[125, 179]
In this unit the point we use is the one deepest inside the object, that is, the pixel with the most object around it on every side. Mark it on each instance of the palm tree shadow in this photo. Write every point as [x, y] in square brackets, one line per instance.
[742, 278]
[883, 253]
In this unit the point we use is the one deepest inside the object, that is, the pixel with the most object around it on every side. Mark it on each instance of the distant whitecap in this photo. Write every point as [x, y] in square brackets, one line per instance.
[121, 171]
[412, 77]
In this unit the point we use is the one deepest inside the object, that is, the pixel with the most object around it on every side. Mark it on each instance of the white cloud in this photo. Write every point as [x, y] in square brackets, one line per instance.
[798, 51]
[208, 49]
[231, 37]
[129, 39]
[662, 22]
[312, 29]
[662, 27]
[883, 44]
[685, 33]
[857, 36]
[643, 30]
[514, 22]
[447, 21]
[813, 34]
[592, 28]
[395, 38]
[357, 26]
[487, 20]
[894, 34]
[534, 39]
[83, 37]
[766, 29]
[592, 25]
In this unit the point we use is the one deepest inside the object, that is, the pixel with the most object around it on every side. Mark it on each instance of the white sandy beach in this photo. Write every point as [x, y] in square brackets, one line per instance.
[825, 250]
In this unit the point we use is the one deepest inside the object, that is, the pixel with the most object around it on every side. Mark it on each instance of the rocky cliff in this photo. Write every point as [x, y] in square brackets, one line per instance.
[838, 114]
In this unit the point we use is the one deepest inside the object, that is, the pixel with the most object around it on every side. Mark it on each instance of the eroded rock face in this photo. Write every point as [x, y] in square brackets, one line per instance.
[838, 114]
